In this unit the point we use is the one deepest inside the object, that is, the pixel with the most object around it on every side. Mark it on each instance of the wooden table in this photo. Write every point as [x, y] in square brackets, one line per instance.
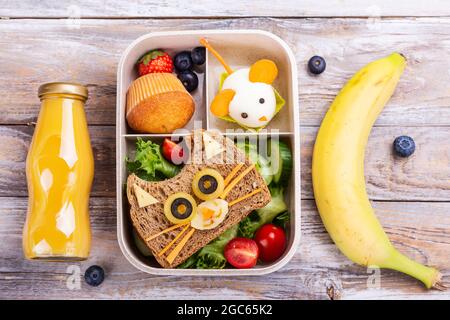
[411, 197]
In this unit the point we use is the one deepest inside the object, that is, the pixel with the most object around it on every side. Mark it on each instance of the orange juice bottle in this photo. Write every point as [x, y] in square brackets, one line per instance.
[60, 169]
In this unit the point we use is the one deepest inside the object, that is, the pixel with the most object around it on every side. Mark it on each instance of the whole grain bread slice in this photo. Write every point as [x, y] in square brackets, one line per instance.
[151, 219]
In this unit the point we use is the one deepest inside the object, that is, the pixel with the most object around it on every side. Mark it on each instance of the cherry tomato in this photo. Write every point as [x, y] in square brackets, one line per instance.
[271, 242]
[172, 151]
[242, 253]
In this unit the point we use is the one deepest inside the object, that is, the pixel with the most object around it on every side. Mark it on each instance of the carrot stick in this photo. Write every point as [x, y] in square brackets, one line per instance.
[206, 44]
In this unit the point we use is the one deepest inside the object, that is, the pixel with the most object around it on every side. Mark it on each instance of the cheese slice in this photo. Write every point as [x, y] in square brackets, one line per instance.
[176, 226]
[232, 173]
[244, 197]
[212, 147]
[173, 241]
[236, 181]
[143, 198]
[175, 252]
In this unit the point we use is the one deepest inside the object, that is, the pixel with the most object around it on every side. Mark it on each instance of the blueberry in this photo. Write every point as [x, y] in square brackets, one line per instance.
[94, 275]
[189, 80]
[183, 61]
[198, 55]
[316, 65]
[404, 146]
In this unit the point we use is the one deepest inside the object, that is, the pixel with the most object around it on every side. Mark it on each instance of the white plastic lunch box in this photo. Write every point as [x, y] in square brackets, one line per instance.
[240, 48]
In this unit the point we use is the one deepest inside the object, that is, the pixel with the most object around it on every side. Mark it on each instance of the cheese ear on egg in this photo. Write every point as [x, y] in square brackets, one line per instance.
[263, 70]
[221, 102]
[143, 198]
[212, 147]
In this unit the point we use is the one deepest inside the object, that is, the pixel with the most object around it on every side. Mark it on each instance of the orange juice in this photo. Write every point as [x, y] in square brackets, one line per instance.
[60, 169]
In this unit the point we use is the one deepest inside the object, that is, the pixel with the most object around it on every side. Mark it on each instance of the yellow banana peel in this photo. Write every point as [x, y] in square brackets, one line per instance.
[338, 171]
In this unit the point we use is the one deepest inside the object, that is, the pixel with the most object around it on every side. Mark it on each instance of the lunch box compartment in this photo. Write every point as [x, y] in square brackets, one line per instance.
[240, 53]
[170, 44]
[240, 48]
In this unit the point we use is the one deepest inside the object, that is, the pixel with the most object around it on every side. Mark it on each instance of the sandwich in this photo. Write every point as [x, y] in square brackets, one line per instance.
[215, 190]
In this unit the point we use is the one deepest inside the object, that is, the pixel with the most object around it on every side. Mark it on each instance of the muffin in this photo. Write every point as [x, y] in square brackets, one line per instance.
[158, 103]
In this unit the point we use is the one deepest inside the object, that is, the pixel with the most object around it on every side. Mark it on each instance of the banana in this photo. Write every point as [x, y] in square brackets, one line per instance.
[338, 171]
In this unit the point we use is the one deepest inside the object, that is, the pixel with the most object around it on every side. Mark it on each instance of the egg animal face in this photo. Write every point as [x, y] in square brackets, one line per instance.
[254, 106]
[210, 214]
[254, 103]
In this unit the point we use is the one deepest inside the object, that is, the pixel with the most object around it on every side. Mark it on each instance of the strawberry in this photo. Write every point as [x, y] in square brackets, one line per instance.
[155, 61]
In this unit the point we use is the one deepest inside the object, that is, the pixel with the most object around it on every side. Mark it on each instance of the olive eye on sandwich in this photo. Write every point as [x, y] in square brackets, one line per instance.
[208, 184]
[180, 207]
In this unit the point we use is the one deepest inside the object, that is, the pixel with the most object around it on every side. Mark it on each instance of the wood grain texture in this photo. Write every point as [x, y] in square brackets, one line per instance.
[413, 195]
[316, 270]
[38, 51]
[15, 141]
[425, 176]
[224, 8]
[389, 177]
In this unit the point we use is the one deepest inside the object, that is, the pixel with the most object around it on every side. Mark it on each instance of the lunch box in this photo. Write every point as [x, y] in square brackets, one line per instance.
[240, 48]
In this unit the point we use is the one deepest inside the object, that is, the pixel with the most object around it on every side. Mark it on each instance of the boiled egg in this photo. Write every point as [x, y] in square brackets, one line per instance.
[238, 79]
[210, 214]
[254, 103]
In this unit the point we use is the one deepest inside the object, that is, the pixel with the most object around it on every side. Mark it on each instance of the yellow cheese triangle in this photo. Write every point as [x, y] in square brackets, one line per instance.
[212, 147]
[143, 197]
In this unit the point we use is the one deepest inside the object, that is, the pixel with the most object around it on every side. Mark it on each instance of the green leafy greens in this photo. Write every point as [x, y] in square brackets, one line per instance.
[249, 225]
[282, 219]
[149, 164]
[211, 256]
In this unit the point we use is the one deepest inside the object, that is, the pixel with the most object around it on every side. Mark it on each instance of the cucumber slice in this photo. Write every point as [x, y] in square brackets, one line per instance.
[264, 169]
[262, 164]
[281, 162]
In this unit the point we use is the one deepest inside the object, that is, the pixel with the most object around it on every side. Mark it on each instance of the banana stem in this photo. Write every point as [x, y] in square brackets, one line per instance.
[429, 276]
